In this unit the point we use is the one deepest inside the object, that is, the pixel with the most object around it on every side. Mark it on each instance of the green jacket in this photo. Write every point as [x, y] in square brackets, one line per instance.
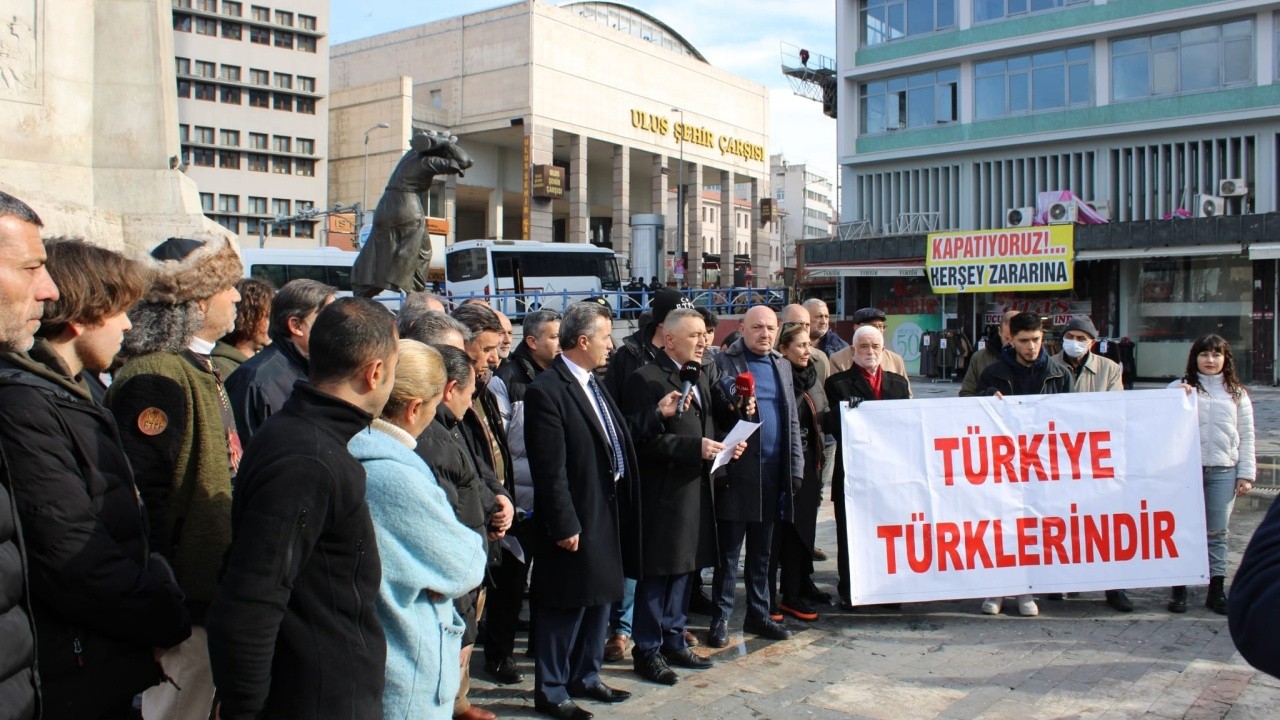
[170, 414]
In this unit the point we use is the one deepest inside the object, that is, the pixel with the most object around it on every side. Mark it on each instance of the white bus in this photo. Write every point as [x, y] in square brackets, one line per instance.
[331, 266]
[519, 276]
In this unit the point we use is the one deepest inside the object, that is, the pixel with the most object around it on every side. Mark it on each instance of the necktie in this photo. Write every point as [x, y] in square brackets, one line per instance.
[618, 462]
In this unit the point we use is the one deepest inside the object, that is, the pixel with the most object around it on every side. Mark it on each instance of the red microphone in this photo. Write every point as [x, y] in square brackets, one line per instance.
[745, 387]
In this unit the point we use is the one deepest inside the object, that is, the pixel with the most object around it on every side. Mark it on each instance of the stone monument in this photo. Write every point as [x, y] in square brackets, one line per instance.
[89, 120]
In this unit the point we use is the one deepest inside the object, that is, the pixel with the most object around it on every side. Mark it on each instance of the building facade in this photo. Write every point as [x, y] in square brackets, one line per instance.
[1158, 115]
[805, 198]
[577, 116]
[253, 115]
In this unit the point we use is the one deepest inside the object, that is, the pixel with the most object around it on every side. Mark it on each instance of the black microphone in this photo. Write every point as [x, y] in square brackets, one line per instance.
[688, 378]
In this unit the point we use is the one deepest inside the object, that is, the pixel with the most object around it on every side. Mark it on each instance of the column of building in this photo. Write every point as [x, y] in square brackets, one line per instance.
[621, 234]
[693, 224]
[658, 190]
[759, 240]
[493, 220]
[728, 228]
[541, 140]
[579, 210]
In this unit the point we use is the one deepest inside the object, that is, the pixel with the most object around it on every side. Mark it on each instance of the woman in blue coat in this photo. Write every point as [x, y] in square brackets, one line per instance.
[428, 557]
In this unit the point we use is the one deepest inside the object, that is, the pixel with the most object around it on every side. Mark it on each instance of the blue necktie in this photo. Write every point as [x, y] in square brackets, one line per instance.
[619, 467]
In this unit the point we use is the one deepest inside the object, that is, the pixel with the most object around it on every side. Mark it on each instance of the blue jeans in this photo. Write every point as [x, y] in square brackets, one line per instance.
[1219, 500]
[623, 610]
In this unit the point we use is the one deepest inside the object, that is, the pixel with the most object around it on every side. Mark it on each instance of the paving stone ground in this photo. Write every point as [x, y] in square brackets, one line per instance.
[1078, 659]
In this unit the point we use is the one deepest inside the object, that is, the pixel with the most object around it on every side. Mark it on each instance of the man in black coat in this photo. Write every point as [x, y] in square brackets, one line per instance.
[262, 384]
[1253, 610]
[675, 498]
[293, 630]
[586, 512]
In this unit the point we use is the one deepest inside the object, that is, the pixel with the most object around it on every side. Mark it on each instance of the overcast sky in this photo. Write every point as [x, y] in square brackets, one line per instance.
[740, 36]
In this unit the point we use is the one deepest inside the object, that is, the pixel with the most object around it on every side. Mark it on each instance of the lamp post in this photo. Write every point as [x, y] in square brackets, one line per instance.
[680, 203]
[364, 196]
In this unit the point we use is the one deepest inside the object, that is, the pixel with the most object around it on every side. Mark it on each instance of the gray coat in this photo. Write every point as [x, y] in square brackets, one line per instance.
[739, 491]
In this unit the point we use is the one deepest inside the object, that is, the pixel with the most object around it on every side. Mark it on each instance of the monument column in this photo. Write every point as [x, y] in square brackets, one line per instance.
[693, 209]
[728, 228]
[621, 234]
[579, 209]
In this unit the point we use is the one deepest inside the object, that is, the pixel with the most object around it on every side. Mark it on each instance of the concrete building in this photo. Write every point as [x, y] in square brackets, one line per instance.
[578, 117]
[253, 117]
[954, 112]
[805, 197]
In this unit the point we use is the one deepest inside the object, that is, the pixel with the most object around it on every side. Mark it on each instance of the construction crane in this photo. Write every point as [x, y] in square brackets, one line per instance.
[811, 76]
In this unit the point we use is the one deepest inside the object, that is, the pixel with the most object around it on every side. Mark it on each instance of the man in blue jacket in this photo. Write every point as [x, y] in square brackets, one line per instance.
[1253, 609]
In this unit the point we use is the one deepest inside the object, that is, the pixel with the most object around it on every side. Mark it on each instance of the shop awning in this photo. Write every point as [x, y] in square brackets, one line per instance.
[1264, 251]
[1158, 252]
[839, 271]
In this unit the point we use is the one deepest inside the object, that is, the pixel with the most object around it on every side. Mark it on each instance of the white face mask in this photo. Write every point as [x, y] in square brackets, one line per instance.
[1075, 348]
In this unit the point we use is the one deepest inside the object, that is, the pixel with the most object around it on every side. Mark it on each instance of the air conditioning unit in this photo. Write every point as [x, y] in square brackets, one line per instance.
[1232, 187]
[1210, 205]
[1102, 207]
[1019, 217]
[1063, 212]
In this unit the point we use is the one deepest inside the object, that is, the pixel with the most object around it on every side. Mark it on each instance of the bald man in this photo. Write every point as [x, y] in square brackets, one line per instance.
[800, 314]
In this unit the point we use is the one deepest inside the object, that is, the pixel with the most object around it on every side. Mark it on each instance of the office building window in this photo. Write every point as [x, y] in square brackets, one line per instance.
[202, 157]
[307, 22]
[282, 143]
[1211, 57]
[437, 99]
[258, 141]
[261, 14]
[203, 135]
[229, 95]
[306, 43]
[306, 146]
[260, 36]
[229, 160]
[205, 69]
[230, 72]
[184, 133]
[181, 22]
[259, 77]
[230, 223]
[232, 8]
[231, 30]
[281, 166]
[254, 226]
[304, 230]
[306, 84]
[280, 208]
[284, 39]
[1029, 83]
[257, 162]
[182, 66]
[306, 168]
[307, 106]
[229, 203]
[206, 202]
[205, 26]
[887, 20]
[284, 18]
[209, 6]
[204, 91]
[184, 88]
[909, 101]
[282, 101]
[259, 98]
[284, 80]
[257, 205]
[229, 138]
[986, 10]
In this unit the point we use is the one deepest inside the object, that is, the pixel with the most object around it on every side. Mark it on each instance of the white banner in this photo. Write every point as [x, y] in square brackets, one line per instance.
[979, 497]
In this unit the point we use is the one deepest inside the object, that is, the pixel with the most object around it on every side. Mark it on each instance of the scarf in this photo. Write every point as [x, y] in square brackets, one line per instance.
[874, 379]
[804, 378]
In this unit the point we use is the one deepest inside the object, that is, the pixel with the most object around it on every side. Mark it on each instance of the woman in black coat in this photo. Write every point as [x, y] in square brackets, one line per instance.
[865, 381]
[793, 541]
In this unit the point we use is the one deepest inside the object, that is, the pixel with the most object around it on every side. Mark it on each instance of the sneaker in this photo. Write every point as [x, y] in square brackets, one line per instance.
[991, 606]
[798, 609]
[775, 614]
[1027, 606]
[813, 594]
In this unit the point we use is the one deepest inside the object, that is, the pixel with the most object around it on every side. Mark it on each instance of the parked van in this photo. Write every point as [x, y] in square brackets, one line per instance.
[330, 266]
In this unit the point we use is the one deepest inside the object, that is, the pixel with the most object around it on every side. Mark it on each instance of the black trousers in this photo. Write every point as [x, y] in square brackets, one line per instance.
[842, 537]
[792, 559]
[506, 598]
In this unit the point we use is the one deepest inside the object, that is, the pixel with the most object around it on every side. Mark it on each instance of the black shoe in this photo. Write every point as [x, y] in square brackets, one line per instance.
[600, 692]
[1216, 600]
[718, 635]
[687, 658]
[797, 608]
[846, 606]
[504, 671]
[767, 629]
[655, 669]
[699, 602]
[567, 710]
[1119, 600]
[813, 594]
[1178, 600]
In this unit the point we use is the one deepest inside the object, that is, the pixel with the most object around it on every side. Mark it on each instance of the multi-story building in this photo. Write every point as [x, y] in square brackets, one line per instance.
[1160, 115]
[805, 199]
[253, 117]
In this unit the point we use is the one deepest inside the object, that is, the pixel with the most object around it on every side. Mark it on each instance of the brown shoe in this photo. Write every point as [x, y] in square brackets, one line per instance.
[690, 639]
[615, 649]
[475, 713]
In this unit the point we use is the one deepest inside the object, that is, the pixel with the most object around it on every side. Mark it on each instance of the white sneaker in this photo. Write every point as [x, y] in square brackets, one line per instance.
[1027, 606]
[991, 606]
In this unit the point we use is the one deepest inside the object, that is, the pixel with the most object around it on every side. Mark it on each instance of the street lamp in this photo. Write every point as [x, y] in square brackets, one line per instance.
[680, 202]
[364, 197]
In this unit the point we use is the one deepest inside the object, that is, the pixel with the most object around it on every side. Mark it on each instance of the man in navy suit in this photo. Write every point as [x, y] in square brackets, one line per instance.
[586, 512]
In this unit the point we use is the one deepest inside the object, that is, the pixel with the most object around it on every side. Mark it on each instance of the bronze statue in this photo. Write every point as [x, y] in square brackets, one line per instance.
[397, 253]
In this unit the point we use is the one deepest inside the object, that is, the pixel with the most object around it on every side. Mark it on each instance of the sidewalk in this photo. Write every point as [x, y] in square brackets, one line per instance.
[1078, 659]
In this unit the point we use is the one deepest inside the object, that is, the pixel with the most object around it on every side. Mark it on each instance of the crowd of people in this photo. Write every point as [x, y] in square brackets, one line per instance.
[223, 499]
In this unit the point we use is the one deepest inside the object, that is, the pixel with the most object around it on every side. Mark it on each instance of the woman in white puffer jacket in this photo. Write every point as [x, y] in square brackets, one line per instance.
[1226, 453]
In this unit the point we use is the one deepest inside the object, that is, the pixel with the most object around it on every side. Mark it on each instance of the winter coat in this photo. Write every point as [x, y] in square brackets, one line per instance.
[1253, 609]
[19, 680]
[830, 343]
[852, 385]
[1097, 374]
[675, 487]
[636, 351]
[507, 387]
[1048, 375]
[575, 494]
[811, 406]
[294, 630]
[739, 495]
[262, 384]
[101, 601]
[428, 558]
[1226, 427]
[977, 363]
[227, 358]
[890, 361]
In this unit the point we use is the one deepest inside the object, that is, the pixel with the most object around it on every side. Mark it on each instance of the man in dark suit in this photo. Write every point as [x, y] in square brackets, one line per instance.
[675, 497]
[586, 511]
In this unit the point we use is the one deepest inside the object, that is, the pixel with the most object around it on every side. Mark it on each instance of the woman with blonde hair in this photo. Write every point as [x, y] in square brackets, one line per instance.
[428, 557]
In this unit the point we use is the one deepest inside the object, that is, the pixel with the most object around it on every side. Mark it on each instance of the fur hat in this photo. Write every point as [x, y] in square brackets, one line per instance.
[184, 269]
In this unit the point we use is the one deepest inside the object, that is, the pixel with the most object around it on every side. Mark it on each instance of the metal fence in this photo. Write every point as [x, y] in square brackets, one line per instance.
[630, 303]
